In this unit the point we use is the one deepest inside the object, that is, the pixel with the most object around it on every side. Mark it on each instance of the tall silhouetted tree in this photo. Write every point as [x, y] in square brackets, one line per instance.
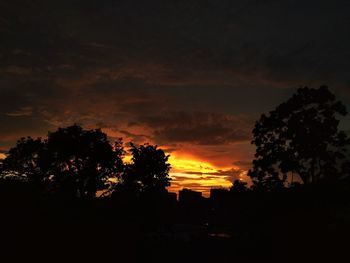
[149, 170]
[72, 161]
[300, 137]
[82, 160]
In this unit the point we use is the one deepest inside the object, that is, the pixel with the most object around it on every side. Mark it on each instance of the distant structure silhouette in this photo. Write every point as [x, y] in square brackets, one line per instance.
[239, 186]
[218, 193]
[188, 196]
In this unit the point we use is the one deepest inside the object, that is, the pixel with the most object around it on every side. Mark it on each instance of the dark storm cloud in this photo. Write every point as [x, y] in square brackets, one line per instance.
[277, 40]
[169, 66]
[135, 137]
[198, 128]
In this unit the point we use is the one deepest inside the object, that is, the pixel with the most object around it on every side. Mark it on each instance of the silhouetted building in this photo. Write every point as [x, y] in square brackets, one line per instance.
[218, 195]
[187, 196]
[172, 196]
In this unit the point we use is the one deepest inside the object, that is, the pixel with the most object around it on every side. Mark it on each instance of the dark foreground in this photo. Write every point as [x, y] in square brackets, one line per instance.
[305, 225]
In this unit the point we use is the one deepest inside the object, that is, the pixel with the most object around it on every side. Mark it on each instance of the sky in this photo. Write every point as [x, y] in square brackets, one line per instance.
[190, 76]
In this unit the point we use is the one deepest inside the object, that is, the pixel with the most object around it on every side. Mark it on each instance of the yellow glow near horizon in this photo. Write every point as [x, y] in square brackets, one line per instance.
[187, 163]
[189, 171]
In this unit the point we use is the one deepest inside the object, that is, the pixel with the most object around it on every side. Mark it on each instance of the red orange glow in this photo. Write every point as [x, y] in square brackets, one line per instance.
[191, 172]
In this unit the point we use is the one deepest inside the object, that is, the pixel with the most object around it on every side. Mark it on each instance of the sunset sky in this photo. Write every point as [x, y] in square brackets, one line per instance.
[190, 76]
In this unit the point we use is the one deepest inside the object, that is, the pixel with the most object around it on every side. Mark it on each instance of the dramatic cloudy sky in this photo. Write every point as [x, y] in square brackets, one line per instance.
[191, 76]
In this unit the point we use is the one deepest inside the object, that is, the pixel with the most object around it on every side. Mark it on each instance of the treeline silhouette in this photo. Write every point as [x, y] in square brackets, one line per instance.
[71, 196]
[74, 162]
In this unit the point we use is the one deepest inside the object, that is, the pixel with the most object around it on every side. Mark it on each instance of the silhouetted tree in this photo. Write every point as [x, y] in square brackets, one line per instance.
[72, 161]
[82, 160]
[27, 161]
[149, 170]
[300, 137]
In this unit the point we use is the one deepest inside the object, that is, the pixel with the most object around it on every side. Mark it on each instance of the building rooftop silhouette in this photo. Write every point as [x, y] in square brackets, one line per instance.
[189, 196]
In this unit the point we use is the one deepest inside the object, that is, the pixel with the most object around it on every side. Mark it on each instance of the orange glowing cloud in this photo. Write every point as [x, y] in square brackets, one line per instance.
[191, 172]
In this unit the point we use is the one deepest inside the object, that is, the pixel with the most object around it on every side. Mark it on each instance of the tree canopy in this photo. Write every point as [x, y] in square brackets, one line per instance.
[82, 159]
[77, 163]
[71, 161]
[27, 160]
[300, 137]
[149, 170]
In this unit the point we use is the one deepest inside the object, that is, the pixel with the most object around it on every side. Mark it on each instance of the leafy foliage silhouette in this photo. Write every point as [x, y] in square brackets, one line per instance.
[26, 161]
[72, 161]
[148, 172]
[77, 162]
[82, 160]
[300, 137]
